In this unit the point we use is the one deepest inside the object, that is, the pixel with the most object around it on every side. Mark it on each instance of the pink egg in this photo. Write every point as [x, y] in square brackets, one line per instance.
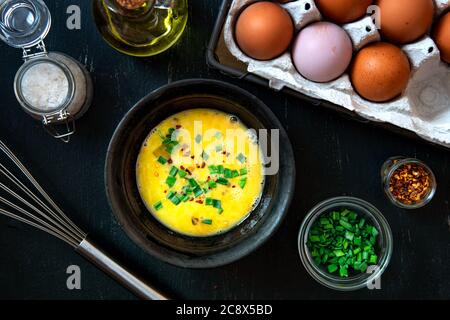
[322, 52]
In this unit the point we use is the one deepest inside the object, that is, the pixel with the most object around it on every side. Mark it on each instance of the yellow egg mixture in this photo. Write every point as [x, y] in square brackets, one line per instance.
[200, 172]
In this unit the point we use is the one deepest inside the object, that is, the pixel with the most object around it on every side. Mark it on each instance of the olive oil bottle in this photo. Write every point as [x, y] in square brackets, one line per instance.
[141, 28]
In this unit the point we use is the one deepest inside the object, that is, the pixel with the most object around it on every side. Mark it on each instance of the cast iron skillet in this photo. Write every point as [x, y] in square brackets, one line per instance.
[130, 210]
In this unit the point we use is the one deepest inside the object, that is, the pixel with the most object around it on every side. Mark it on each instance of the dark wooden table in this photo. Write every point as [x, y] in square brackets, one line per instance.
[335, 156]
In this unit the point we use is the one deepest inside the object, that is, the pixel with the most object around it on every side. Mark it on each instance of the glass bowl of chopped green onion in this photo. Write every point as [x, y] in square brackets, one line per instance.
[345, 243]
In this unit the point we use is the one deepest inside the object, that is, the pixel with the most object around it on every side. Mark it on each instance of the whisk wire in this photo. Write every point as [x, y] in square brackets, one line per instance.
[40, 212]
[37, 226]
[38, 201]
[49, 224]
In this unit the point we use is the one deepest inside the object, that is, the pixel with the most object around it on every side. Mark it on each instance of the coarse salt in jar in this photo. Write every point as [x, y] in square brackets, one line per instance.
[50, 86]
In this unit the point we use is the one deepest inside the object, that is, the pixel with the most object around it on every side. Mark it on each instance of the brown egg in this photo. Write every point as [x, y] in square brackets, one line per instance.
[405, 21]
[264, 30]
[380, 72]
[441, 36]
[343, 11]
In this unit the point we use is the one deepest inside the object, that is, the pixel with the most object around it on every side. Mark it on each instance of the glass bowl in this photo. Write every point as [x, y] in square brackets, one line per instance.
[388, 169]
[384, 245]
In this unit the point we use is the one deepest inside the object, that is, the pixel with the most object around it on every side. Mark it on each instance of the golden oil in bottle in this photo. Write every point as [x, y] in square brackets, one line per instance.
[141, 27]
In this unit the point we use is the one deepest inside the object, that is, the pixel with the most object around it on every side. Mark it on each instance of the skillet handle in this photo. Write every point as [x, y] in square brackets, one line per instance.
[100, 259]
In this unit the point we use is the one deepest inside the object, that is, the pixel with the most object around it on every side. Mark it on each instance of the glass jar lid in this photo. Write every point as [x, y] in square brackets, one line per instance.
[24, 23]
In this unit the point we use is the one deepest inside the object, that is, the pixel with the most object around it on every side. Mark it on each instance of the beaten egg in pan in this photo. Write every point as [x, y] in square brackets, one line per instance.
[200, 172]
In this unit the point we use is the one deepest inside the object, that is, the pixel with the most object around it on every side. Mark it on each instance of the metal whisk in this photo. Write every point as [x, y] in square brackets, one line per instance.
[33, 206]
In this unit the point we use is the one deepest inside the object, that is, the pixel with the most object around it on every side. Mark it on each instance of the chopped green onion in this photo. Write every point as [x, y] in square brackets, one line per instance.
[235, 173]
[212, 184]
[217, 204]
[223, 181]
[198, 138]
[158, 205]
[209, 201]
[205, 156]
[182, 173]
[221, 169]
[243, 183]
[219, 148]
[339, 253]
[332, 268]
[213, 169]
[228, 173]
[349, 235]
[171, 194]
[162, 160]
[346, 225]
[361, 223]
[207, 221]
[187, 190]
[374, 231]
[170, 146]
[363, 267]
[243, 172]
[342, 241]
[173, 171]
[193, 183]
[175, 199]
[343, 272]
[197, 191]
[171, 181]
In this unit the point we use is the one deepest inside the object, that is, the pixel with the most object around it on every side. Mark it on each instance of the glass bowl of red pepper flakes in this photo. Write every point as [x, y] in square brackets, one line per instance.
[320, 271]
[408, 183]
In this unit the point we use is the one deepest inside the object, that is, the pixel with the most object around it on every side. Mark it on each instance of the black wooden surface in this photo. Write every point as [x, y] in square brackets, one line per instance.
[335, 156]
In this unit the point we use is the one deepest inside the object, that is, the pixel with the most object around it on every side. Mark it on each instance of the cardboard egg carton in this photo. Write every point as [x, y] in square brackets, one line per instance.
[424, 107]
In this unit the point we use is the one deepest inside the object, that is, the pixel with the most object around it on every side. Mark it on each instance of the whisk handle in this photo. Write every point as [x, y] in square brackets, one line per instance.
[100, 259]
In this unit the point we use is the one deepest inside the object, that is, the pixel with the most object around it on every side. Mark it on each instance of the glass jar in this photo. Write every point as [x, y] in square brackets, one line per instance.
[365, 210]
[50, 86]
[391, 166]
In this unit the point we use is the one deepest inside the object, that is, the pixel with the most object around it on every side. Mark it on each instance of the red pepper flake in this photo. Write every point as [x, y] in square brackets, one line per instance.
[191, 199]
[181, 167]
[199, 201]
[188, 171]
[410, 183]
[195, 221]
[233, 186]
[131, 4]
[170, 161]
[203, 165]
[178, 126]
[192, 157]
